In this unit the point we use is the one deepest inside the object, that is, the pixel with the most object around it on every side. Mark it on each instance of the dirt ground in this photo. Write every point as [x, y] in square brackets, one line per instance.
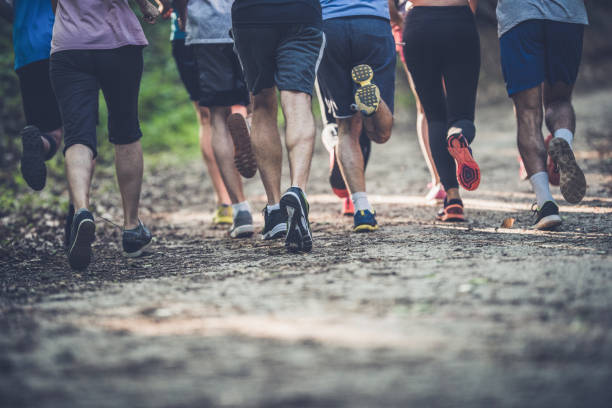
[416, 314]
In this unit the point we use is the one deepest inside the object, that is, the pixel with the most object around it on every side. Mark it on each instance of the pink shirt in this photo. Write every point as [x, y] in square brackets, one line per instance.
[95, 25]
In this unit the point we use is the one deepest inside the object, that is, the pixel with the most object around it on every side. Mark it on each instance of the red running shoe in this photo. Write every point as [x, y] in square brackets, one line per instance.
[468, 172]
[348, 208]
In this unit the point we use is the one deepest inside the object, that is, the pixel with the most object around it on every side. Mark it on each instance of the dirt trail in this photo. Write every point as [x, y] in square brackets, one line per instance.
[417, 314]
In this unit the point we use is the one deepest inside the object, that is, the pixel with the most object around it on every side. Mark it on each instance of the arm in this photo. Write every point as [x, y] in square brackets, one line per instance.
[181, 6]
[164, 7]
[149, 11]
[473, 5]
[6, 11]
[396, 17]
[54, 5]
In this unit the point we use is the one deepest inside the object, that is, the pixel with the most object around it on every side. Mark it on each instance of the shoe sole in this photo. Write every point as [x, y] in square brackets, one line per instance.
[548, 222]
[365, 228]
[244, 159]
[299, 237]
[33, 168]
[279, 231]
[243, 231]
[551, 168]
[136, 254]
[80, 253]
[468, 172]
[229, 221]
[453, 218]
[367, 96]
[572, 182]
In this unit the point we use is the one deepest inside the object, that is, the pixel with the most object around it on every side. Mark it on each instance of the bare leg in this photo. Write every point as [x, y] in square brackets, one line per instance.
[559, 112]
[223, 147]
[378, 126]
[349, 153]
[266, 143]
[299, 135]
[79, 170]
[56, 135]
[205, 136]
[128, 163]
[528, 110]
[423, 132]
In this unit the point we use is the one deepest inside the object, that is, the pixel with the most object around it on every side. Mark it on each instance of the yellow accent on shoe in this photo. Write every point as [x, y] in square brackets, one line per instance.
[223, 215]
[367, 96]
[365, 228]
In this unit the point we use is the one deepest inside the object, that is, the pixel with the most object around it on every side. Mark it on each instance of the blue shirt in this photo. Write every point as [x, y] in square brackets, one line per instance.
[32, 31]
[352, 8]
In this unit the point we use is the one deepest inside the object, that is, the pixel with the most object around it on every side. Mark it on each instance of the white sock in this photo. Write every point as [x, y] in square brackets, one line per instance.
[539, 182]
[360, 201]
[565, 134]
[243, 206]
[273, 207]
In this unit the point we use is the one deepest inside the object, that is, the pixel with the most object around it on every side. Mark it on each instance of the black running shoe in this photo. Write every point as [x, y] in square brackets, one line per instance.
[136, 240]
[547, 217]
[33, 166]
[82, 235]
[299, 235]
[68, 225]
[275, 224]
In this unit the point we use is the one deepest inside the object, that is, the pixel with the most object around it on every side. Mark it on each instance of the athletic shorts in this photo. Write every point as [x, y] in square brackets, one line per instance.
[220, 78]
[77, 77]
[286, 55]
[352, 41]
[540, 50]
[187, 69]
[39, 104]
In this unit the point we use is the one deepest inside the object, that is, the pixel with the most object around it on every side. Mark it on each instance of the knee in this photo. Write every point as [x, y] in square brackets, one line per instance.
[265, 100]
[204, 115]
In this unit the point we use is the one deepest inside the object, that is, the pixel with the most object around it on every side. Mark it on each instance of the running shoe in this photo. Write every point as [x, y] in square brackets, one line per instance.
[244, 158]
[68, 225]
[136, 240]
[452, 211]
[348, 209]
[554, 177]
[242, 226]
[275, 224]
[547, 217]
[468, 172]
[551, 167]
[82, 235]
[329, 136]
[572, 181]
[436, 194]
[365, 221]
[33, 166]
[299, 234]
[223, 215]
[367, 96]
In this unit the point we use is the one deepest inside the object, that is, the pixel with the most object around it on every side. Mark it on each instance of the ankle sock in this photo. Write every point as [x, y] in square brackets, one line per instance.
[272, 207]
[565, 134]
[541, 188]
[360, 201]
[243, 206]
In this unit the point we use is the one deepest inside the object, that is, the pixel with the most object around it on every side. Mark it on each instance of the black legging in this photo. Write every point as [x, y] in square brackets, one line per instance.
[442, 51]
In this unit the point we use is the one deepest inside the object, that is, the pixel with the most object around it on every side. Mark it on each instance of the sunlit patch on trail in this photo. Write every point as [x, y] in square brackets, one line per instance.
[353, 333]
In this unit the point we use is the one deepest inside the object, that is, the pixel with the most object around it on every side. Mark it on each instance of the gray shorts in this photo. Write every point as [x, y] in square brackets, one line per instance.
[220, 78]
[287, 56]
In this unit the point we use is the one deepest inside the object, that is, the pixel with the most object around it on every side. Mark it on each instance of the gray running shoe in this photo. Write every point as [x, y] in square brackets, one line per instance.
[243, 225]
[136, 240]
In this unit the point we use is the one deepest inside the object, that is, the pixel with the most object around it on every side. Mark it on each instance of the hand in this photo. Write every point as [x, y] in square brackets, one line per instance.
[181, 23]
[149, 11]
[165, 9]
